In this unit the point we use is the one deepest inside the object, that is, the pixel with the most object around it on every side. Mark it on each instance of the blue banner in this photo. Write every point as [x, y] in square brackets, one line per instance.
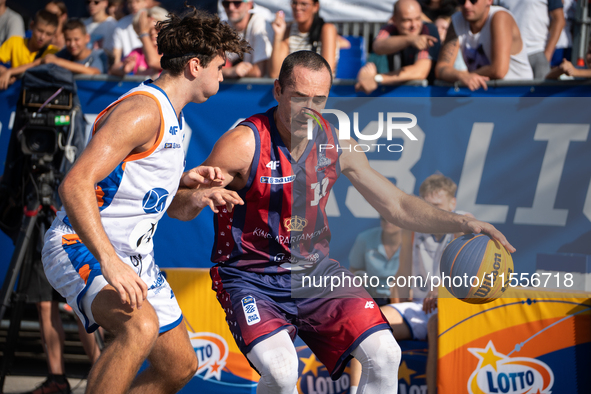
[520, 158]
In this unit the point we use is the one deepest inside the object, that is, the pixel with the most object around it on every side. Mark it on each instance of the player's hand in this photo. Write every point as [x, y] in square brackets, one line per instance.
[131, 288]
[430, 302]
[242, 68]
[279, 26]
[474, 81]
[215, 197]
[423, 41]
[202, 175]
[365, 79]
[478, 227]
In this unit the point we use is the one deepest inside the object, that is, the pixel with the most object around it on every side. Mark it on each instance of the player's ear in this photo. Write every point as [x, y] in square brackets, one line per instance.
[276, 90]
[194, 66]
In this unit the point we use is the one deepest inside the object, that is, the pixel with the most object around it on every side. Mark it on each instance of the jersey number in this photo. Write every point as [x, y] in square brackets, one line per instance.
[319, 191]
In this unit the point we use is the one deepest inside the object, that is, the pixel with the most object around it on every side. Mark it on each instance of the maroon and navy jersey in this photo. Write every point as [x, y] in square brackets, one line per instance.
[282, 225]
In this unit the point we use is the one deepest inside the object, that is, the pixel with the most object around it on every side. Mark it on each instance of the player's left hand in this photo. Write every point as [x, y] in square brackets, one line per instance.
[477, 227]
[215, 197]
[202, 175]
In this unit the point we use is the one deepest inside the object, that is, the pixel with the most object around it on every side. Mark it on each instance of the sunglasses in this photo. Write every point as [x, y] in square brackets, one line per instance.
[95, 2]
[462, 2]
[235, 3]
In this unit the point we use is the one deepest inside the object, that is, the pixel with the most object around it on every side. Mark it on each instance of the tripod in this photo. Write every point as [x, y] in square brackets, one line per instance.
[39, 212]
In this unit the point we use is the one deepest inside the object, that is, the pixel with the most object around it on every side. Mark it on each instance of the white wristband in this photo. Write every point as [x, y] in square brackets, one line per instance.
[379, 78]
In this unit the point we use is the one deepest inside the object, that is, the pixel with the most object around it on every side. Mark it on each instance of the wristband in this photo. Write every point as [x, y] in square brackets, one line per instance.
[379, 78]
[143, 35]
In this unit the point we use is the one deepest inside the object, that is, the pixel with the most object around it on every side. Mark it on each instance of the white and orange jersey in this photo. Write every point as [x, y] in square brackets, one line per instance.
[135, 195]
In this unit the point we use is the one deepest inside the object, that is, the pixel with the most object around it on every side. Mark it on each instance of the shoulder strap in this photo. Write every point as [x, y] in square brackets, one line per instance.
[41, 51]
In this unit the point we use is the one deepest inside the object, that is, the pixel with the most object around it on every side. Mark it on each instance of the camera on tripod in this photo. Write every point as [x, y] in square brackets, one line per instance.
[44, 131]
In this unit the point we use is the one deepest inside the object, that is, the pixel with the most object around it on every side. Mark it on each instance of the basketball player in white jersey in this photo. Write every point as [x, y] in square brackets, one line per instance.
[417, 319]
[99, 253]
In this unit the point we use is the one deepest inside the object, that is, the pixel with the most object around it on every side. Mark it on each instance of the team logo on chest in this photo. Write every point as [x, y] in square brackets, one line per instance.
[323, 162]
[295, 223]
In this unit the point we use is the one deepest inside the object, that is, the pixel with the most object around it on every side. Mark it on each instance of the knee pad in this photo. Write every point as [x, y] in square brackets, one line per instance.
[281, 369]
[388, 355]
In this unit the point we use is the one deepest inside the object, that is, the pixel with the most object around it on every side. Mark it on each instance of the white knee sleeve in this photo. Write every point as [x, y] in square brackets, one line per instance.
[276, 360]
[379, 355]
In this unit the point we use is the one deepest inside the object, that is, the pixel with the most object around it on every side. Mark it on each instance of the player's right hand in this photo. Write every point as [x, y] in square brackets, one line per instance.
[202, 175]
[131, 288]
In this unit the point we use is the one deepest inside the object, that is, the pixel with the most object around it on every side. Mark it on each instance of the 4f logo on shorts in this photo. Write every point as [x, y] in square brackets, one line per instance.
[251, 312]
[369, 305]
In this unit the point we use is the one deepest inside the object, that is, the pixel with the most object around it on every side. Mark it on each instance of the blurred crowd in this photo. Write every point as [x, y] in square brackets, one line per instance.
[470, 41]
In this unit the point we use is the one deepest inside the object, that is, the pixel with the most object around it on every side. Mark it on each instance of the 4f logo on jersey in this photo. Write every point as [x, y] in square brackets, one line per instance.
[273, 164]
[251, 312]
[173, 130]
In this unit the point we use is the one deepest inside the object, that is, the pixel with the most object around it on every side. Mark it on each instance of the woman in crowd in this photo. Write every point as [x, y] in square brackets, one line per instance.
[308, 31]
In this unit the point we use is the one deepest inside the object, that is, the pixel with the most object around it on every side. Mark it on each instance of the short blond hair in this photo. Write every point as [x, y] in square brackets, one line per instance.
[437, 182]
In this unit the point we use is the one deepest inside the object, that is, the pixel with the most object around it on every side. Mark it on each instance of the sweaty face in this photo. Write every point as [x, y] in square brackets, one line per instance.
[442, 200]
[308, 89]
[42, 34]
[408, 19]
[76, 41]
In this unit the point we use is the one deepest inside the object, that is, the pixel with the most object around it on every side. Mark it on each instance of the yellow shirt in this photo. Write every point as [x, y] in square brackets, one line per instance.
[15, 51]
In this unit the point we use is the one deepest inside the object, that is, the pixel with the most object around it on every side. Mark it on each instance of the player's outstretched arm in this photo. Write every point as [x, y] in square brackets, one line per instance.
[404, 210]
[230, 159]
[132, 126]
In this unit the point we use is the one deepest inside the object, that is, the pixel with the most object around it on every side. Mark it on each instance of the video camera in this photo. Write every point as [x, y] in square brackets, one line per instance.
[47, 135]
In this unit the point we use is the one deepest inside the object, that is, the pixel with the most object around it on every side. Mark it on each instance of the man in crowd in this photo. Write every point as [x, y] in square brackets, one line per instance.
[11, 23]
[253, 26]
[411, 45]
[491, 45]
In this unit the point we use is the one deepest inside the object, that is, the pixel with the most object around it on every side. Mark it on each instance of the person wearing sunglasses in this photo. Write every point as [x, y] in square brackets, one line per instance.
[540, 23]
[491, 45]
[411, 47]
[100, 25]
[249, 21]
[308, 31]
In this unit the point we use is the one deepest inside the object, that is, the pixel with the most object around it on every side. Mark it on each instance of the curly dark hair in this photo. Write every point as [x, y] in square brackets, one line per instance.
[196, 33]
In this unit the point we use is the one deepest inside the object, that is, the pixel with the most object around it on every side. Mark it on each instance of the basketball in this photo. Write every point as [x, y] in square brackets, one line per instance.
[474, 268]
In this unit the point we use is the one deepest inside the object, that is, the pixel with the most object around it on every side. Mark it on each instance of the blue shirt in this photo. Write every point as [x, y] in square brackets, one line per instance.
[369, 255]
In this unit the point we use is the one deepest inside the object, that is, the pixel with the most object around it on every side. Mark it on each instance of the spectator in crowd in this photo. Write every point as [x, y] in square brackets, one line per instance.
[564, 46]
[540, 23]
[308, 31]
[491, 46]
[376, 252]
[254, 28]
[77, 57]
[11, 23]
[23, 53]
[144, 60]
[116, 9]
[570, 71]
[410, 45]
[100, 25]
[433, 9]
[125, 38]
[417, 319]
[442, 23]
[59, 8]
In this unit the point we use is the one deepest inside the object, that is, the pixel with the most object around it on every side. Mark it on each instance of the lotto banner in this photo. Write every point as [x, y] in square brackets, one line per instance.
[530, 342]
